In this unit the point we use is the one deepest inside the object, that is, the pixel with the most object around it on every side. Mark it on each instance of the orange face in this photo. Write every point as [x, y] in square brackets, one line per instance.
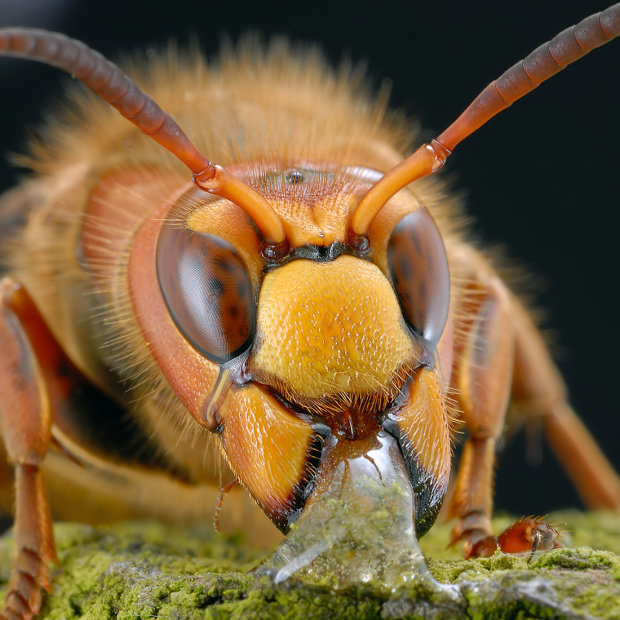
[289, 354]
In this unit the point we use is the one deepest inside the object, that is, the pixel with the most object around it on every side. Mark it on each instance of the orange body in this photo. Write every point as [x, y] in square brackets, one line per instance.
[180, 340]
[88, 258]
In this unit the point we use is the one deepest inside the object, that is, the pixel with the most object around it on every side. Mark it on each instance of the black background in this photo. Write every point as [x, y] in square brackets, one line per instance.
[541, 179]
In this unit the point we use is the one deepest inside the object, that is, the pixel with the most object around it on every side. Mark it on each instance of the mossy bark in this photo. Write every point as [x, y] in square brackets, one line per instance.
[148, 570]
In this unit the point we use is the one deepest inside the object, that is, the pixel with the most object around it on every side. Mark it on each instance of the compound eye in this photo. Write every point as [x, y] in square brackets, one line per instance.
[419, 268]
[207, 288]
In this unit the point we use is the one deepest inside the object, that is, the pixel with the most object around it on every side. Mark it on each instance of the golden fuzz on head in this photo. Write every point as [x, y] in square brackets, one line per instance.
[255, 101]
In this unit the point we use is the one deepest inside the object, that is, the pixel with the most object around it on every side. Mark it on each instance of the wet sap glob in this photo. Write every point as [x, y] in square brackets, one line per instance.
[358, 525]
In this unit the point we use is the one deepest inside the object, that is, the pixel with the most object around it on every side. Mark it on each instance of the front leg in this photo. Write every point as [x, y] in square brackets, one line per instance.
[482, 377]
[500, 355]
[25, 420]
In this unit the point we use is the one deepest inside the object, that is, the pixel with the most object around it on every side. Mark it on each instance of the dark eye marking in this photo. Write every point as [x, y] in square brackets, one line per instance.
[294, 176]
[276, 179]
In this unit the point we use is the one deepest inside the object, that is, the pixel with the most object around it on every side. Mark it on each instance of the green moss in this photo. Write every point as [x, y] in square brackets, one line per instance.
[153, 571]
